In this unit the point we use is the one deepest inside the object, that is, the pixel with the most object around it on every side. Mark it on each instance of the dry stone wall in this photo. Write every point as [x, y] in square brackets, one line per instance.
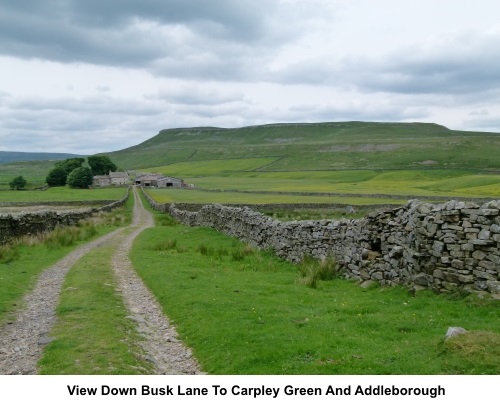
[443, 247]
[16, 225]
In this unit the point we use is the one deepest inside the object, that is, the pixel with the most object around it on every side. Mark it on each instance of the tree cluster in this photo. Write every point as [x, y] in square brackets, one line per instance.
[73, 172]
[18, 183]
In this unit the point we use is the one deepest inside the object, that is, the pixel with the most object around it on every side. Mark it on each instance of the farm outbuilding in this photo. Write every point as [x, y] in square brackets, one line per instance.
[112, 179]
[101, 181]
[119, 178]
[158, 180]
[147, 180]
[166, 182]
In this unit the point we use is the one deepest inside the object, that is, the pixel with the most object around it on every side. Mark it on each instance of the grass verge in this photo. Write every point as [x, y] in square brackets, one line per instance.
[254, 316]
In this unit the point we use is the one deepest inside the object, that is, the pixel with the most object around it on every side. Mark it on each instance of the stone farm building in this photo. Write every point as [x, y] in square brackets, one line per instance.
[112, 179]
[158, 180]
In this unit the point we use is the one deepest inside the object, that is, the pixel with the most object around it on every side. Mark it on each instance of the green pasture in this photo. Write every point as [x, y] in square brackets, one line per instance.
[61, 194]
[34, 172]
[218, 167]
[406, 183]
[202, 197]
[244, 311]
[226, 175]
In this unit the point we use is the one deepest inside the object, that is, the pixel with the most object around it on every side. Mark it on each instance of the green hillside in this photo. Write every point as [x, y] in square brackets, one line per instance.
[402, 160]
[7, 157]
[322, 146]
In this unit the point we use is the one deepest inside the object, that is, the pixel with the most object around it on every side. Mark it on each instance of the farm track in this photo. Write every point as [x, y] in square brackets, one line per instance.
[163, 349]
[22, 341]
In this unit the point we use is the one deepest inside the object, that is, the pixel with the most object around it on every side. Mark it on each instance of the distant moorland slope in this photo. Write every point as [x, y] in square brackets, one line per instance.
[8, 157]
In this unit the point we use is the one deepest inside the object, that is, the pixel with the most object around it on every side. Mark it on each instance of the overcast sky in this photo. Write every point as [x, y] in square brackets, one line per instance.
[88, 76]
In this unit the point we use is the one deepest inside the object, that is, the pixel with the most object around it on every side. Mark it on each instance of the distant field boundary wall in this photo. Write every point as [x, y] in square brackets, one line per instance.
[58, 203]
[295, 206]
[444, 247]
[15, 225]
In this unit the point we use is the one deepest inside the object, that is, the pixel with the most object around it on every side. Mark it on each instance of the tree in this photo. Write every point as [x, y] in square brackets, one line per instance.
[101, 165]
[70, 164]
[81, 177]
[57, 177]
[18, 183]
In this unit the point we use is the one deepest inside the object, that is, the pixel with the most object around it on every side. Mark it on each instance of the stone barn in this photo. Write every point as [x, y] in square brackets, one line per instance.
[101, 181]
[112, 179]
[158, 180]
[165, 182]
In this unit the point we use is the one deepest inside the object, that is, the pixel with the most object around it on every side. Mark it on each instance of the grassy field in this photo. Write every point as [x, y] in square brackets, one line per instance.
[62, 194]
[406, 183]
[34, 172]
[225, 175]
[196, 197]
[360, 187]
[244, 311]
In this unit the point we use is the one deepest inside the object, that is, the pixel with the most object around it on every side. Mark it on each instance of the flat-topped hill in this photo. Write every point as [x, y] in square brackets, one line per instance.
[322, 146]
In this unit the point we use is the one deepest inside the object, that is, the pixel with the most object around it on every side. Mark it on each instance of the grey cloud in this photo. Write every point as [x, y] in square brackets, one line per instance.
[484, 123]
[129, 32]
[64, 43]
[208, 111]
[437, 75]
[48, 141]
[353, 112]
[98, 135]
[481, 112]
[218, 67]
[461, 66]
[96, 105]
[103, 89]
[241, 19]
[61, 124]
[198, 95]
[4, 98]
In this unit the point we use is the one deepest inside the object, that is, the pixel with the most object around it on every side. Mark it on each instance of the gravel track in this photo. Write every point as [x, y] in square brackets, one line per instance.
[163, 349]
[22, 341]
